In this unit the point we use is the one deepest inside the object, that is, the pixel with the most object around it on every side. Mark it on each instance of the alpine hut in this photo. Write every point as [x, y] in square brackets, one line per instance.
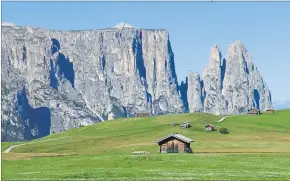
[174, 143]
[210, 127]
[185, 125]
[254, 112]
[269, 111]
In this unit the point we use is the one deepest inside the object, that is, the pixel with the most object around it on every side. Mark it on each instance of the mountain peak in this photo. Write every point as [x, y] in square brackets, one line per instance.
[237, 47]
[238, 44]
[7, 24]
[123, 25]
[215, 55]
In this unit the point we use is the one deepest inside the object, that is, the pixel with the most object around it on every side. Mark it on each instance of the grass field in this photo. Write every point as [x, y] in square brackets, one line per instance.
[257, 147]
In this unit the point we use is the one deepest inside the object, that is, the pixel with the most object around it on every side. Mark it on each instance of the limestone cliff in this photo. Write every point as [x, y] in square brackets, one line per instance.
[232, 85]
[58, 80]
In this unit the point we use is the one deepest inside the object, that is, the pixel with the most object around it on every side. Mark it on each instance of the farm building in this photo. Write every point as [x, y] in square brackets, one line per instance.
[174, 143]
[185, 125]
[142, 114]
[210, 127]
[254, 112]
[269, 111]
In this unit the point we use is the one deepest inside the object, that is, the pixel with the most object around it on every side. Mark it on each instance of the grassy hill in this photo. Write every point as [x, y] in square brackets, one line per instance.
[256, 147]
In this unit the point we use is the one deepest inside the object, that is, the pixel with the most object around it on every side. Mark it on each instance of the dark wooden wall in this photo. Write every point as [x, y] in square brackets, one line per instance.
[172, 146]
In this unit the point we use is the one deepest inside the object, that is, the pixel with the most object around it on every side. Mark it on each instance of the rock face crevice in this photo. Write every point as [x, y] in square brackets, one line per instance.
[33, 122]
[183, 89]
[61, 67]
[68, 79]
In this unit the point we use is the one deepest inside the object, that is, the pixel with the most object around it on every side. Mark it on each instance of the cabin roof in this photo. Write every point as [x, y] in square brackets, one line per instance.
[177, 136]
[253, 110]
[185, 123]
[209, 125]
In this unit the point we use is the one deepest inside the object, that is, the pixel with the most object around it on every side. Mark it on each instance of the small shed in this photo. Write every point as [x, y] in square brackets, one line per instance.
[142, 114]
[174, 143]
[140, 152]
[185, 125]
[269, 111]
[254, 112]
[210, 127]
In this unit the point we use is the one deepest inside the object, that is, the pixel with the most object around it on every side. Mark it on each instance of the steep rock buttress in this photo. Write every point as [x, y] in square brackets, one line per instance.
[83, 77]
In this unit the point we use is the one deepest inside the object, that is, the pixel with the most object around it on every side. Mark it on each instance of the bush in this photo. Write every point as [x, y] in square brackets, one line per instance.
[224, 131]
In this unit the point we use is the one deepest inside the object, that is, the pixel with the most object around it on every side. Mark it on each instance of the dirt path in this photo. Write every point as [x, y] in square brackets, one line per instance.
[10, 148]
[222, 119]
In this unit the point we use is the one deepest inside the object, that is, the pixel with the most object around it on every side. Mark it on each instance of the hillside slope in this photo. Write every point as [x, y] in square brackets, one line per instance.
[264, 133]
[257, 148]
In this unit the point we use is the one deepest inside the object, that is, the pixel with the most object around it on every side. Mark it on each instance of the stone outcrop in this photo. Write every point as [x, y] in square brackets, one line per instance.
[212, 79]
[195, 94]
[230, 86]
[243, 85]
[82, 77]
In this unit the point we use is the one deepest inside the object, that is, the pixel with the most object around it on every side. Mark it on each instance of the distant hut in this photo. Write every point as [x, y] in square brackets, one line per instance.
[140, 152]
[174, 143]
[185, 125]
[142, 114]
[210, 127]
[269, 111]
[254, 112]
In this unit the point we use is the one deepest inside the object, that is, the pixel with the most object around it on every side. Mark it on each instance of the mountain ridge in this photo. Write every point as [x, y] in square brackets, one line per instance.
[78, 78]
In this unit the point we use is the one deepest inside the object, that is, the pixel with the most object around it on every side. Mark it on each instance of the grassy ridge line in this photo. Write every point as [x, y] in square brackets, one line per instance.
[264, 133]
[118, 134]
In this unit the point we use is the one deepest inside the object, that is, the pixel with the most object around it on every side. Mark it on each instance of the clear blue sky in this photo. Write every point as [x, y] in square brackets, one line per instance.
[194, 27]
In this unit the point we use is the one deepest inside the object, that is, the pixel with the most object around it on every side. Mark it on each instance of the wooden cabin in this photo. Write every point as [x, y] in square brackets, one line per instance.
[254, 112]
[269, 111]
[142, 114]
[174, 143]
[210, 127]
[185, 125]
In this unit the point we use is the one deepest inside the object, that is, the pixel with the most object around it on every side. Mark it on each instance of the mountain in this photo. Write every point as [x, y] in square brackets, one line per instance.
[57, 80]
[230, 85]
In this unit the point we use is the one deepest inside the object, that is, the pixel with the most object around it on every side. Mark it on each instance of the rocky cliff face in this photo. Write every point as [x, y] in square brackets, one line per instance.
[243, 85]
[55, 80]
[230, 86]
[195, 93]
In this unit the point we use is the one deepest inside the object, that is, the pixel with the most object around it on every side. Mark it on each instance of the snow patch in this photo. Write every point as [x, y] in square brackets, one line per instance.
[7, 24]
[123, 25]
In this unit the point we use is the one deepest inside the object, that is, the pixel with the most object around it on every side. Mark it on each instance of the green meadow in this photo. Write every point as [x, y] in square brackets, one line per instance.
[257, 148]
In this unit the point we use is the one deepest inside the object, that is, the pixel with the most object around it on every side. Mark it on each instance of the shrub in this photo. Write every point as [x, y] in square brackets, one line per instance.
[224, 130]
